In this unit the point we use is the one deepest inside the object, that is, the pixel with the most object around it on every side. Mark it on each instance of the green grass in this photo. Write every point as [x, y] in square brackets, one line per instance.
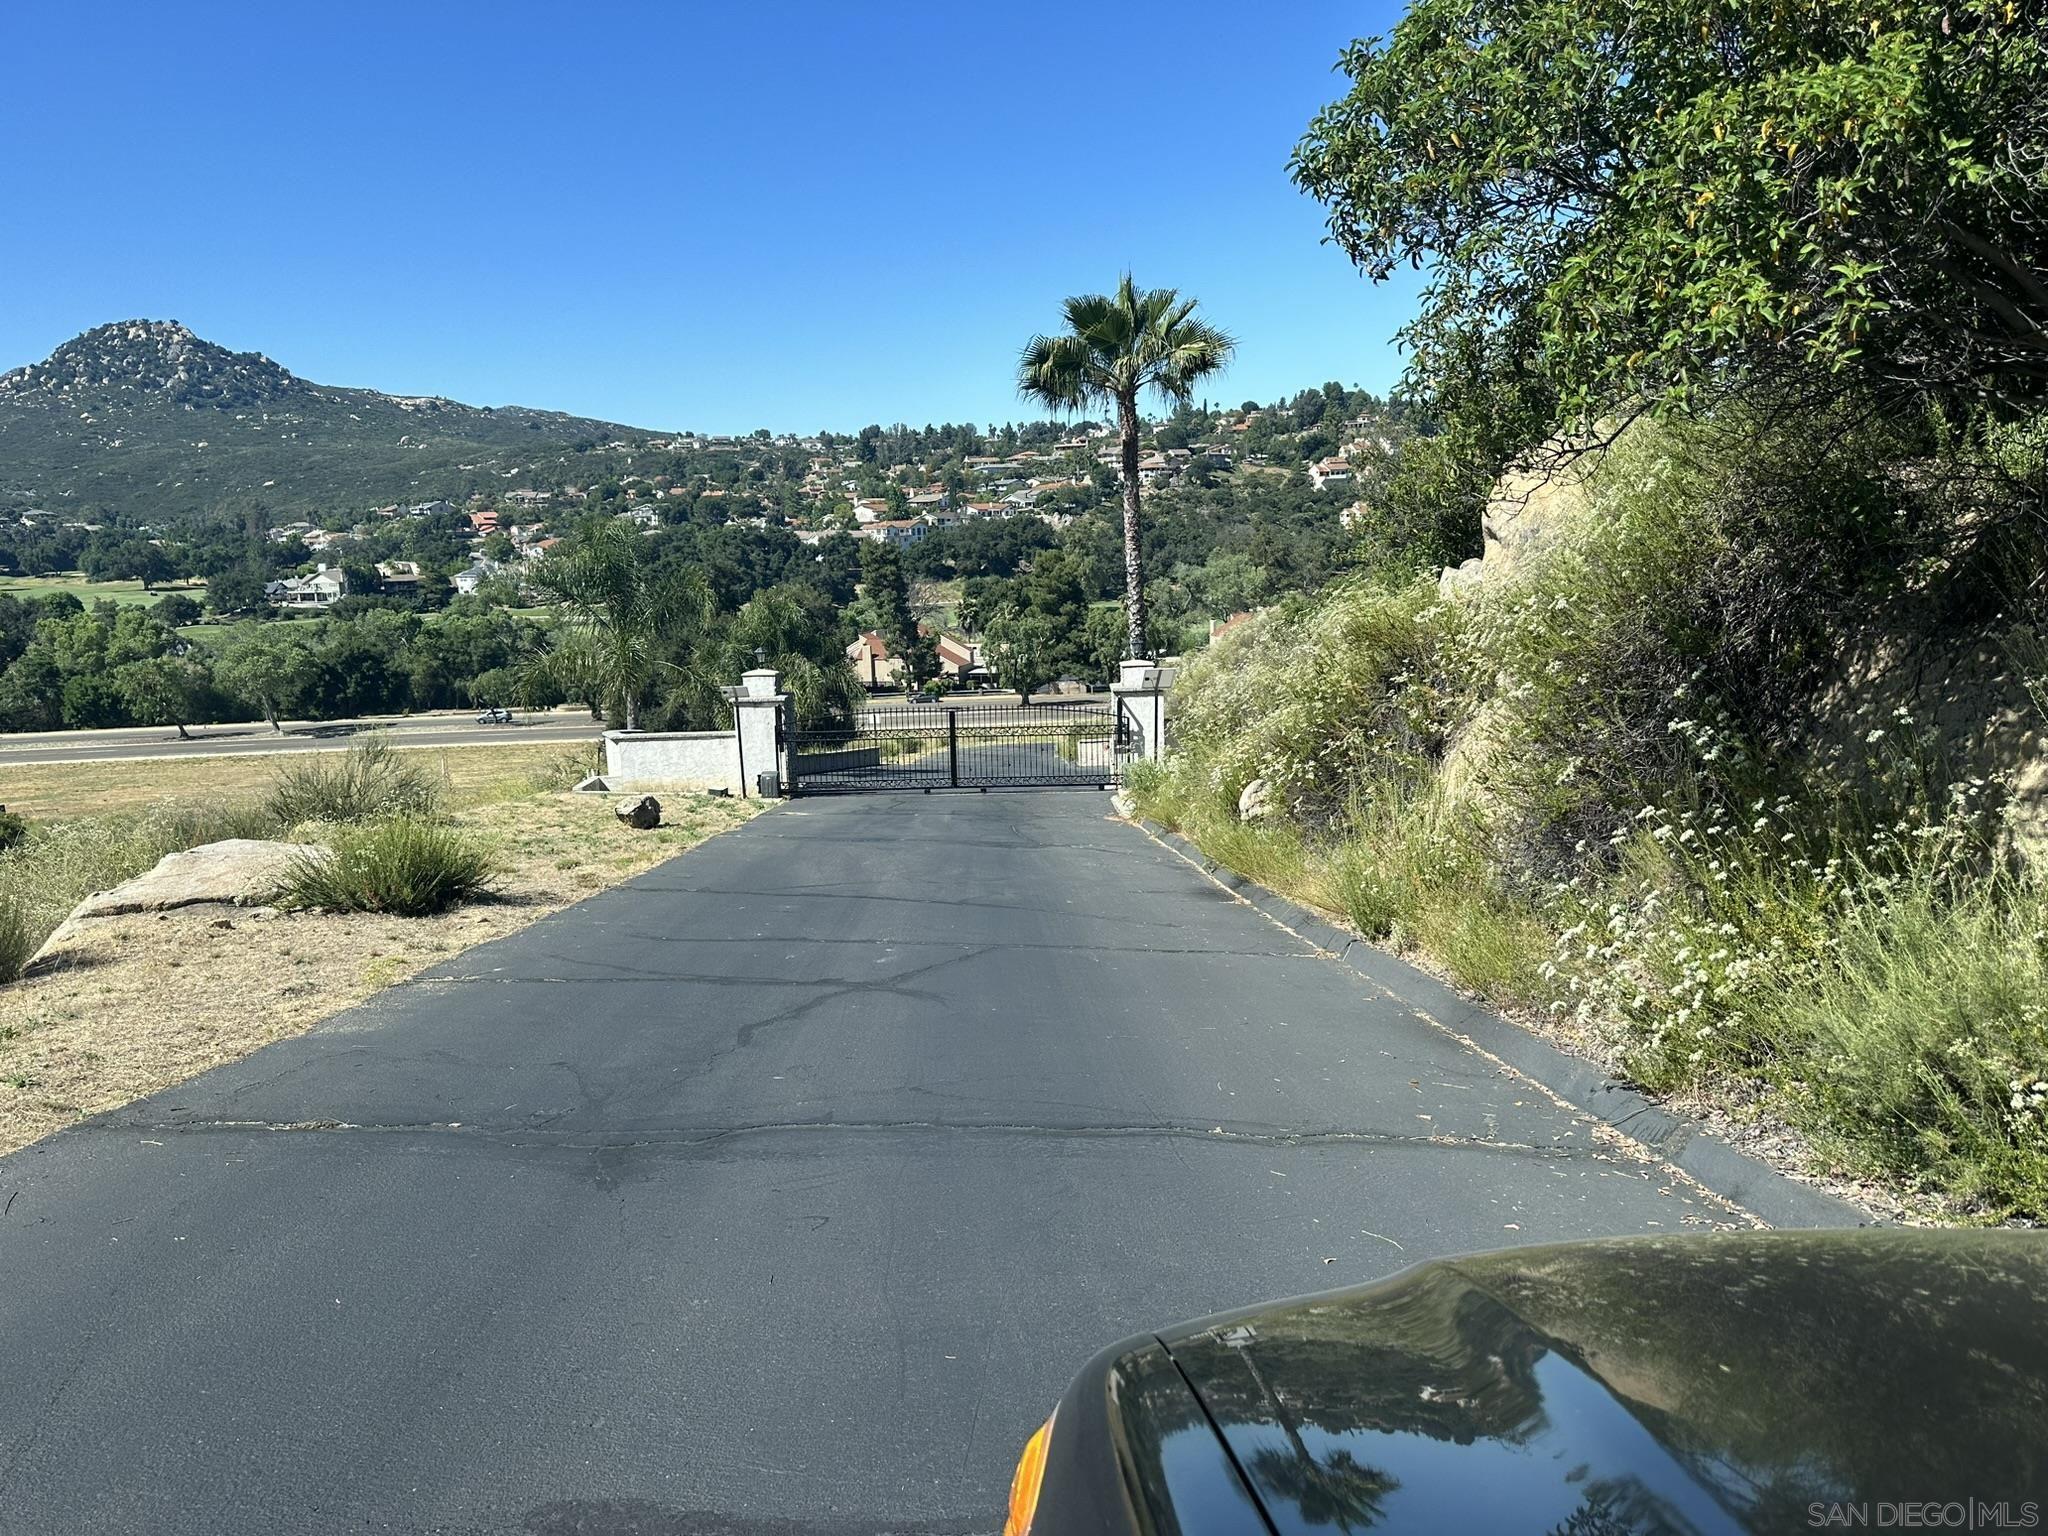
[127, 593]
[1401, 870]
[60, 863]
[1919, 1051]
[216, 636]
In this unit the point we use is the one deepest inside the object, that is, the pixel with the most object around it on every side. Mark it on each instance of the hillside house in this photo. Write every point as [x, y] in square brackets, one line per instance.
[894, 530]
[872, 662]
[1326, 472]
[466, 582]
[323, 589]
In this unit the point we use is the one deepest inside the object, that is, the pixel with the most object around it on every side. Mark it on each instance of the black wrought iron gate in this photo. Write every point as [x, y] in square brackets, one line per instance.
[1080, 742]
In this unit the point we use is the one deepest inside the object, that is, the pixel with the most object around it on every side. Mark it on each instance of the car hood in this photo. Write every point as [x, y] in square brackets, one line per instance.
[1759, 1382]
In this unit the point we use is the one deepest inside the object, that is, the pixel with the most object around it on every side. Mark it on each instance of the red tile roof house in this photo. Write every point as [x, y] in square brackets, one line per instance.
[870, 658]
[958, 658]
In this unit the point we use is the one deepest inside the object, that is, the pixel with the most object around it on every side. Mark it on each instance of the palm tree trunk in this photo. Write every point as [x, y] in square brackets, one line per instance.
[1134, 567]
[632, 710]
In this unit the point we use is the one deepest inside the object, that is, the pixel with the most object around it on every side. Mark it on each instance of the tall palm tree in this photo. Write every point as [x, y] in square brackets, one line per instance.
[1115, 347]
[620, 618]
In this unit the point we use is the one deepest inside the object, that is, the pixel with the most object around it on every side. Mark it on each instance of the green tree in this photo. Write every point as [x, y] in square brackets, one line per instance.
[236, 591]
[1021, 648]
[164, 690]
[886, 590]
[176, 610]
[270, 668]
[1115, 347]
[617, 614]
[1644, 200]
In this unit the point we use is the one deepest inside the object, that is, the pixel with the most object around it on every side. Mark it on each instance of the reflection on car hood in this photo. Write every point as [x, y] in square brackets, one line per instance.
[1757, 1382]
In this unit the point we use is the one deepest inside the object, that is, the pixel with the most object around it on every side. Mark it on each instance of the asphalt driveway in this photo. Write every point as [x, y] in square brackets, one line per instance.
[778, 1190]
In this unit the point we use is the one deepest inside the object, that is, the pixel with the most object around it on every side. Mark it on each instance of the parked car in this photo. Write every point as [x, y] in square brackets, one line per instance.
[1759, 1382]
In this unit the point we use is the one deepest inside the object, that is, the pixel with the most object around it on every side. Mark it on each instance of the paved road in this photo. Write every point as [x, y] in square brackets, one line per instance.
[446, 730]
[777, 1191]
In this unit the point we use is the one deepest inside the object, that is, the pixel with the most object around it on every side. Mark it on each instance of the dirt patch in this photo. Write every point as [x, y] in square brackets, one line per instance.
[149, 999]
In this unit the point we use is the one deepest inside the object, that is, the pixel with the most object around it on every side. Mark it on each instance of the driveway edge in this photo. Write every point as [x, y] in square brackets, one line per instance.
[1734, 1175]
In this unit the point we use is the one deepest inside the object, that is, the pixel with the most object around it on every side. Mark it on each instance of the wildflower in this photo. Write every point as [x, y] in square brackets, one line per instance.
[1873, 738]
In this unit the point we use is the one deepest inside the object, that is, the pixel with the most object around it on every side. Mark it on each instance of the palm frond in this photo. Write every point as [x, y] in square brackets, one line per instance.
[1059, 371]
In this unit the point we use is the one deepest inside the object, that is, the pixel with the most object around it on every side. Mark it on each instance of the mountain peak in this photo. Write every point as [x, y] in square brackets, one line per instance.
[150, 357]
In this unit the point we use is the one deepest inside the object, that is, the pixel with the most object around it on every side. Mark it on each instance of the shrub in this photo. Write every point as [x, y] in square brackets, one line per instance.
[403, 865]
[371, 779]
[1319, 699]
[1925, 1044]
[13, 828]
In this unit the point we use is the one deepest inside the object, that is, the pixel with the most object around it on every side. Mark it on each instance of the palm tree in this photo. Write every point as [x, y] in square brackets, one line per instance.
[1115, 347]
[620, 617]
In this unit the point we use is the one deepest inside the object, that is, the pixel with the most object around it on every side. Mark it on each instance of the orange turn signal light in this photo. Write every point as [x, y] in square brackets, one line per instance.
[1025, 1484]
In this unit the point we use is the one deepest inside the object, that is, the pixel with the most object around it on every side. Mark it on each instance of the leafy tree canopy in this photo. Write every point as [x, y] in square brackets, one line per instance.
[1629, 200]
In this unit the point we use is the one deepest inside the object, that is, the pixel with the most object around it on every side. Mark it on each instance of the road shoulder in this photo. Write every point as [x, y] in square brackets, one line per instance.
[1775, 1195]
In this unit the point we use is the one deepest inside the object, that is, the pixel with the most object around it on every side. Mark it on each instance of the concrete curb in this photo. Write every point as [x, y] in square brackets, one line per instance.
[1735, 1176]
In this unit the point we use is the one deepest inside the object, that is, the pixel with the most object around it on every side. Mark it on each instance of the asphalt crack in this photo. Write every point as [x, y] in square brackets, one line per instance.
[709, 1135]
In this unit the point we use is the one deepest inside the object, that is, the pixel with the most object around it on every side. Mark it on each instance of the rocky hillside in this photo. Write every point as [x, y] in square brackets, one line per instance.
[144, 418]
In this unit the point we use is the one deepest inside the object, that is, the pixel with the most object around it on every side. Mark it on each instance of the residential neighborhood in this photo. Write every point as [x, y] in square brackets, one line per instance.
[841, 804]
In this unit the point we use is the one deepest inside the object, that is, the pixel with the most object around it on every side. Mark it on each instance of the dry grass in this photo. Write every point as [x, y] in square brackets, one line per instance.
[152, 999]
[44, 791]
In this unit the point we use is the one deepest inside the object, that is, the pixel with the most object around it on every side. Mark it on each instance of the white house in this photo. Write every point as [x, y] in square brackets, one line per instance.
[897, 530]
[323, 589]
[466, 582]
[1330, 472]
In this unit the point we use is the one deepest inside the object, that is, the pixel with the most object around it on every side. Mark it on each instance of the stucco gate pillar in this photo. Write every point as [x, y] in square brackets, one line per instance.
[1140, 691]
[757, 706]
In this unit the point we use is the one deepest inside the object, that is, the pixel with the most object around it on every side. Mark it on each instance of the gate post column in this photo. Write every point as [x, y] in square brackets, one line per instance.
[1140, 691]
[757, 707]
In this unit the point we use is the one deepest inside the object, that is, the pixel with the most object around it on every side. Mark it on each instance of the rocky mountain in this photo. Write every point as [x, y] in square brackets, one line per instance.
[145, 420]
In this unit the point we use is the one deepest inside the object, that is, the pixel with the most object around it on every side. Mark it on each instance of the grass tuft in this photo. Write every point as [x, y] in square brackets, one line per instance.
[372, 779]
[404, 866]
[19, 936]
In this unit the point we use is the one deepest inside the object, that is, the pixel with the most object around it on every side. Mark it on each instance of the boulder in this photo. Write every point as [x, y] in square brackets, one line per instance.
[643, 813]
[1255, 801]
[1541, 498]
[238, 871]
[243, 871]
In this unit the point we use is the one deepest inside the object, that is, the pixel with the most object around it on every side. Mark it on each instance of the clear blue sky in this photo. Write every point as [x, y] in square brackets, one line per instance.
[712, 217]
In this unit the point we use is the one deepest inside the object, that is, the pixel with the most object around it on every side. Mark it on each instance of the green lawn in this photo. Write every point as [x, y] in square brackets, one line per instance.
[215, 634]
[129, 593]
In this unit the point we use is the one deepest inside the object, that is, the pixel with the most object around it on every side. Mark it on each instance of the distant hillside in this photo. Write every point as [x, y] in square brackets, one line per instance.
[146, 420]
